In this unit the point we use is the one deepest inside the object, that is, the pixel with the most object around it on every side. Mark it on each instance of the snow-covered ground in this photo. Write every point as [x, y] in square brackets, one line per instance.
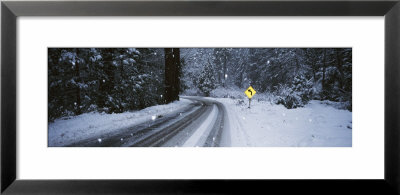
[65, 131]
[317, 124]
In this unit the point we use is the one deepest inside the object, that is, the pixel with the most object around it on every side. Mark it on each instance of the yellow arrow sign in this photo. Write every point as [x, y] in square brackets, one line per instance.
[250, 92]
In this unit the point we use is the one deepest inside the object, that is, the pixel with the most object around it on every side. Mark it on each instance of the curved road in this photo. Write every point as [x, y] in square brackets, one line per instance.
[175, 129]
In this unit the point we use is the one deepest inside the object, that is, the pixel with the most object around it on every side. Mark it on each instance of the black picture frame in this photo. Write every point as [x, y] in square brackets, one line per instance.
[10, 10]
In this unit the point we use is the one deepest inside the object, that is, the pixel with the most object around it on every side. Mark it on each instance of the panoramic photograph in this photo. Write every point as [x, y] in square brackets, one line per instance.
[199, 97]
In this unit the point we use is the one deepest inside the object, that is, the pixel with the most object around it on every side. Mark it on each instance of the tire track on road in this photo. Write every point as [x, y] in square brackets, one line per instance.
[214, 138]
[123, 136]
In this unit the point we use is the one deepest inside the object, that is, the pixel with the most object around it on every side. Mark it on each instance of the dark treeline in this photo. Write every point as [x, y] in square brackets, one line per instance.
[103, 79]
[293, 75]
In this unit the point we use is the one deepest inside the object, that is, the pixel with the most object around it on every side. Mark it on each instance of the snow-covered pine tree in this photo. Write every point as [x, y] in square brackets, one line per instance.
[297, 94]
[207, 82]
[102, 79]
[222, 58]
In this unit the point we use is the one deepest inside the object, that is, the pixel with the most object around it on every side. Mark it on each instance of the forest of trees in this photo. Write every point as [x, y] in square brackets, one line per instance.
[115, 80]
[104, 79]
[293, 75]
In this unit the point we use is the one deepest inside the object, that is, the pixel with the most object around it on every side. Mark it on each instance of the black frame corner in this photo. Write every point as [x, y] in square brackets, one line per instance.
[10, 10]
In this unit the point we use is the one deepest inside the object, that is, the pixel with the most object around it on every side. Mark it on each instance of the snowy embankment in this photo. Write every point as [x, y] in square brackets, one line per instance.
[69, 130]
[317, 124]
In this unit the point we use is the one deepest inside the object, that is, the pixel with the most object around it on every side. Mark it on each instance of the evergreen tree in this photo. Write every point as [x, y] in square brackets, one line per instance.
[207, 81]
[103, 79]
[272, 70]
[298, 94]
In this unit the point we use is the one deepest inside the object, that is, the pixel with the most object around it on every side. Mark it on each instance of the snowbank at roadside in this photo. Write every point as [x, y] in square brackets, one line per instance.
[66, 131]
[318, 124]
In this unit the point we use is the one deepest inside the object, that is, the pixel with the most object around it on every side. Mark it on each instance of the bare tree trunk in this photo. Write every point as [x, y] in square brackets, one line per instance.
[78, 89]
[339, 67]
[172, 72]
[219, 77]
[314, 72]
[224, 75]
[169, 74]
[122, 80]
[177, 63]
[323, 71]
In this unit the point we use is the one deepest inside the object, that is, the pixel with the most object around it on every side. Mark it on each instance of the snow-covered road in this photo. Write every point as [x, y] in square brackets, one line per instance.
[200, 123]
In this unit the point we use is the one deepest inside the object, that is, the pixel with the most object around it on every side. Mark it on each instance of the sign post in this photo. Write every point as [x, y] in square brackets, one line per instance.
[250, 92]
[249, 102]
